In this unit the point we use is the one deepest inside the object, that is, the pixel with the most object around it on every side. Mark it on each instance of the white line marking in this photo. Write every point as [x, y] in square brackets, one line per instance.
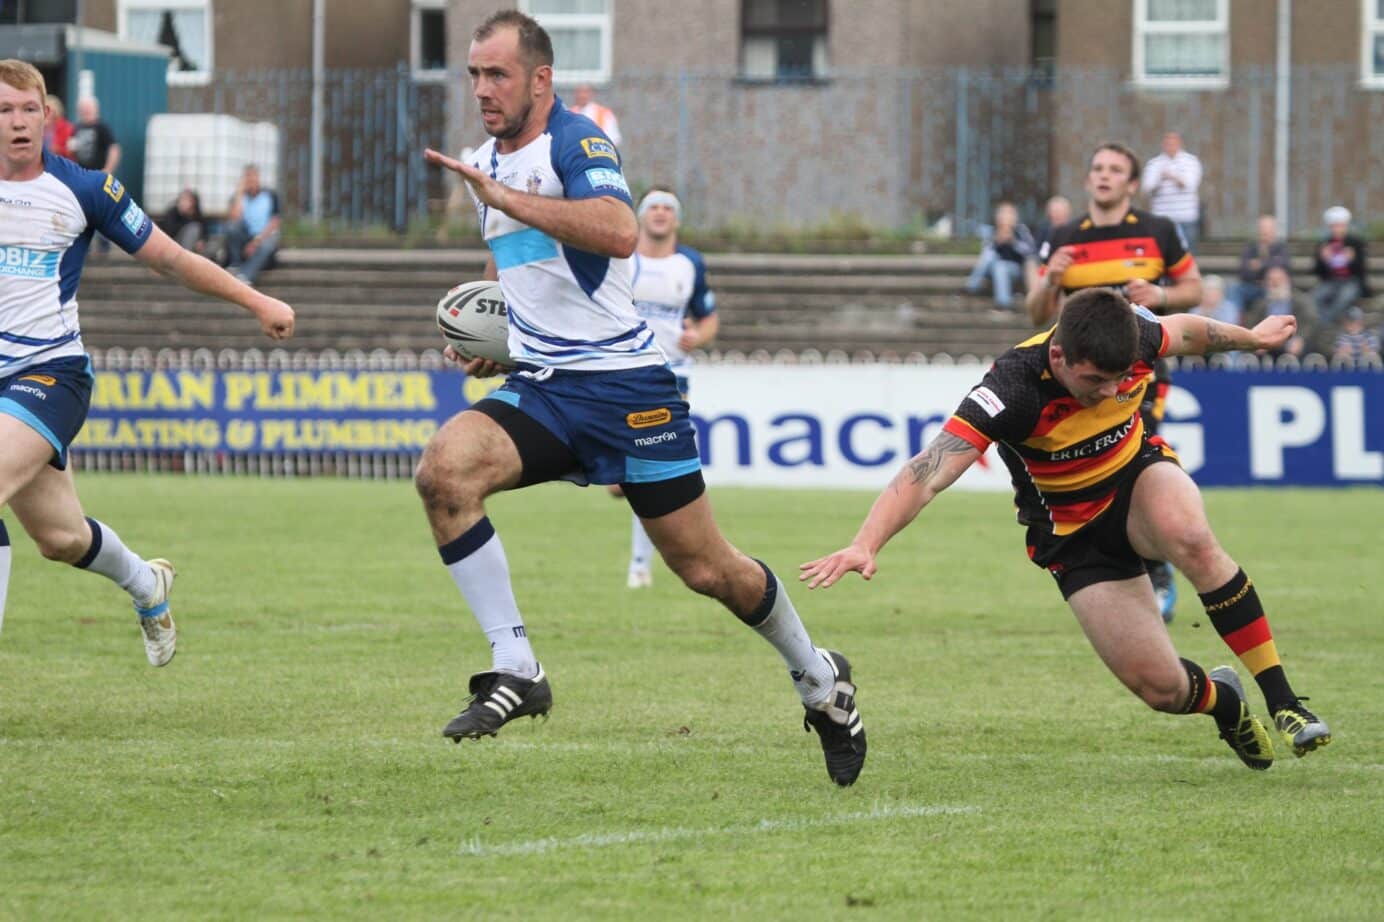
[476, 848]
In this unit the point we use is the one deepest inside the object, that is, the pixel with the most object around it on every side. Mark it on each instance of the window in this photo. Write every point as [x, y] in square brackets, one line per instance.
[1182, 43]
[428, 39]
[580, 30]
[783, 39]
[182, 25]
[1373, 56]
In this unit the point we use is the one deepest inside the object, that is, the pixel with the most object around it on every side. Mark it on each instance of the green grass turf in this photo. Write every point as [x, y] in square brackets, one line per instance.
[288, 763]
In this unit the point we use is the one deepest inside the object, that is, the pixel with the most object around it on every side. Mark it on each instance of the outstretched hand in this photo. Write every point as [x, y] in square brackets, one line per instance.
[490, 191]
[825, 571]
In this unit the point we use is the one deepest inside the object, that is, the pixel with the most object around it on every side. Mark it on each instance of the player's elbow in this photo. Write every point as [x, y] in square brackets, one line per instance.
[624, 242]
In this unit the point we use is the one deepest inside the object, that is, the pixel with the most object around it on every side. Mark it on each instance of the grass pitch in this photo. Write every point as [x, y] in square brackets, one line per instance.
[288, 763]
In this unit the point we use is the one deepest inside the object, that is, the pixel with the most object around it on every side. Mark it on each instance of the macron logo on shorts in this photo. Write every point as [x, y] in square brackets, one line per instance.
[987, 400]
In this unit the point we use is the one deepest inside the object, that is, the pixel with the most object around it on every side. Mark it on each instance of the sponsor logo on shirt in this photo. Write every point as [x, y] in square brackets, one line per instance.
[643, 419]
[987, 400]
[134, 219]
[607, 179]
[113, 188]
[599, 147]
[25, 263]
[21, 202]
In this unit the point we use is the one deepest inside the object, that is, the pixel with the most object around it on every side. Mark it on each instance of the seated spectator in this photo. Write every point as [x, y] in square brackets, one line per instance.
[1006, 248]
[184, 222]
[59, 129]
[1056, 212]
[1280, 299]
[252, 237]
[1354, 342]
[1215, 304]
[1341, 267]
[1265, 251]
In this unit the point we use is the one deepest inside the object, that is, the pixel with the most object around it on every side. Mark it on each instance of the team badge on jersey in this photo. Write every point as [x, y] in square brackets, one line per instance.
[599, 147]
[643, 419]
[113, 188]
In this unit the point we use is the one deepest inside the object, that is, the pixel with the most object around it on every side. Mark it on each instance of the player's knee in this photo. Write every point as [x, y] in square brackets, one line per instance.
[440, 482]
[1195, 548]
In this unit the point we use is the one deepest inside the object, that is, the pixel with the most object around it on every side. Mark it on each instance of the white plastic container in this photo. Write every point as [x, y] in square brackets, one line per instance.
[207, 153]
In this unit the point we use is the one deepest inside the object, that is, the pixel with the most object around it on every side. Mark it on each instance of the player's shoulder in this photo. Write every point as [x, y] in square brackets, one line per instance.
[89, 186]
[1018, 370]
[1149, 220]
[692, 255]
[573, 132]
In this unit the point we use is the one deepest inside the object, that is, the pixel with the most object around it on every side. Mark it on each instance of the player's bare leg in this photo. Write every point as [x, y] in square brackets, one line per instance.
[694, 548]
[48, 508]
[470, 458]
[1120, 618]
[1167, 520]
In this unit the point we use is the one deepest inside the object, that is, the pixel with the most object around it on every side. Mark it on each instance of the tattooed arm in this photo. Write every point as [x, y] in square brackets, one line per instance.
[928, 473]
[1189, 334]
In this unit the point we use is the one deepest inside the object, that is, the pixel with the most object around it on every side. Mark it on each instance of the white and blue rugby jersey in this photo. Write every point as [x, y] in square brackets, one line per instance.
[667, 289]
[46, 225]
[567, 308]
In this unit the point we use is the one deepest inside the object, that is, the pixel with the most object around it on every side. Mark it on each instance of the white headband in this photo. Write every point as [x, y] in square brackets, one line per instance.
[659, 197]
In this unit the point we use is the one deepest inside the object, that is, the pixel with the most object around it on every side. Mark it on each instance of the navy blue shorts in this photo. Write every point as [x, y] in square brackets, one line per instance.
[625, 426]
[52, 399]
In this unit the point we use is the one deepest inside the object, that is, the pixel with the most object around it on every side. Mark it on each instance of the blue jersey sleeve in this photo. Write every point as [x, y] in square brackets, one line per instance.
[702, 303]
[107, 205]
[586, 160]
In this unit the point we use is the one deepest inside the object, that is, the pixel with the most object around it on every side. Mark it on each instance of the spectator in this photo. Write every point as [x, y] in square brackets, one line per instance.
[1340, 266]
[1354, 342]
[1006, 249]
[1056, 212]
[59, 131]
[1171, 180]
[1215, 304]
[1279, 299]
[1265, 251]
[584, 102]
[184, 222]
[93, 144]
[252, 237]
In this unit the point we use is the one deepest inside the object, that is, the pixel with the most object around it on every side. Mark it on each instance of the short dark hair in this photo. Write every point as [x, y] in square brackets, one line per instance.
[1097, 325]
[534, 44]
[1118, 148]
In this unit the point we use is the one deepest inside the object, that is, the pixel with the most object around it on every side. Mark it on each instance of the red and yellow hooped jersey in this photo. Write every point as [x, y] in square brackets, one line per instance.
[1140, 246]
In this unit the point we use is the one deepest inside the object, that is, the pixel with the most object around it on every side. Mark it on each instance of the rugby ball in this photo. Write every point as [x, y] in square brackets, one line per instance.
[474, 321]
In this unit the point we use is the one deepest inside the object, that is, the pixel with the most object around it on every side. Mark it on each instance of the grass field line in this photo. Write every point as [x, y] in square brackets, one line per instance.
[590, 840]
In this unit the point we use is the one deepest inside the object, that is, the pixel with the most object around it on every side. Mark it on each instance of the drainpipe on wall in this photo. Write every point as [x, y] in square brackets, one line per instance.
[1282, 96]
[319, 21]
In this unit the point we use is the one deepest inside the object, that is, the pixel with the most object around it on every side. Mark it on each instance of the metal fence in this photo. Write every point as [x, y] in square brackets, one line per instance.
[878, 149]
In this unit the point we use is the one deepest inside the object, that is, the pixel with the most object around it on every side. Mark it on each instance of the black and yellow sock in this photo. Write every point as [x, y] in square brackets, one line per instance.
[1208, 697]
[1238, 616]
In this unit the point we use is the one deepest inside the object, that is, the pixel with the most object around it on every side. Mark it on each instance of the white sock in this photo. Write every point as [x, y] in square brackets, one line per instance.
[478, 566]
[4, 570]
[641, 547]
[109, 556]
[777, 622]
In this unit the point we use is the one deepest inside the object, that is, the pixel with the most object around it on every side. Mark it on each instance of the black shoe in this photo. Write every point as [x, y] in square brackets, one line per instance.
[1302, 729]
[838, 725]
[496, 699]
[1246, 735]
